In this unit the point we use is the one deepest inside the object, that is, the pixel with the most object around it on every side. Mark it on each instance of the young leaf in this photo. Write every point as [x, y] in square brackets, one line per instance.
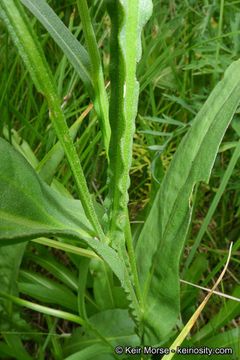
[127, 19]
[162, 238]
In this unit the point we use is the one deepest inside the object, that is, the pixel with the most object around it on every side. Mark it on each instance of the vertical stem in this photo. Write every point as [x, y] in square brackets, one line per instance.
[97, 73]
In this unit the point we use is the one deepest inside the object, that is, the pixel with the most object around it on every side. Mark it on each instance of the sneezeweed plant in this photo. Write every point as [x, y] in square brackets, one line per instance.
[136, 293]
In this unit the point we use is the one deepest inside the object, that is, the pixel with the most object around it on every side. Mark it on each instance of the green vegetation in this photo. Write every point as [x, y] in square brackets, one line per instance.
[119, 177]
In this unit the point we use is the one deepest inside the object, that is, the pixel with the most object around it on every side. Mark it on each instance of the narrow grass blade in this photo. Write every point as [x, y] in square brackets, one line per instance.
[230, 310]
[54, 267]
[10, 316]
[75, 52]
[46, 290]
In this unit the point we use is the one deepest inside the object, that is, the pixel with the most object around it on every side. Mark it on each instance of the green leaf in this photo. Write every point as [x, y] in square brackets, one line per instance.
[214, 204]
[10, 316]
[78, 57]
[82, 281]
[57, 269]
[91, 352]
[119, 331]
[46, 290]
[127, 19]
[75, 52]
[102, 285]
[29, 208]
[97, 71]
[161, 241]
[14, 353]
[193, 275]
[28, 45]
[227, 339]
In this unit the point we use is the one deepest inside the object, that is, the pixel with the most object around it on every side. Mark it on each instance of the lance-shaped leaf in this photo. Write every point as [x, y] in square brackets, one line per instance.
[29, 208]
[127, 20]
[161, 241]
[71, 47]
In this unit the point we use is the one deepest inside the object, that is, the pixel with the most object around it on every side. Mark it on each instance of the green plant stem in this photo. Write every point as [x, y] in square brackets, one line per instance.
[97, 72]
[66, 247]
[213, 206]
[55, 312]
[57, 118]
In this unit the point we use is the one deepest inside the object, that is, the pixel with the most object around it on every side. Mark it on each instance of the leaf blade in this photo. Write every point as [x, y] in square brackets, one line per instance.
[74, 51]
[170, 215]
[42, 211]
